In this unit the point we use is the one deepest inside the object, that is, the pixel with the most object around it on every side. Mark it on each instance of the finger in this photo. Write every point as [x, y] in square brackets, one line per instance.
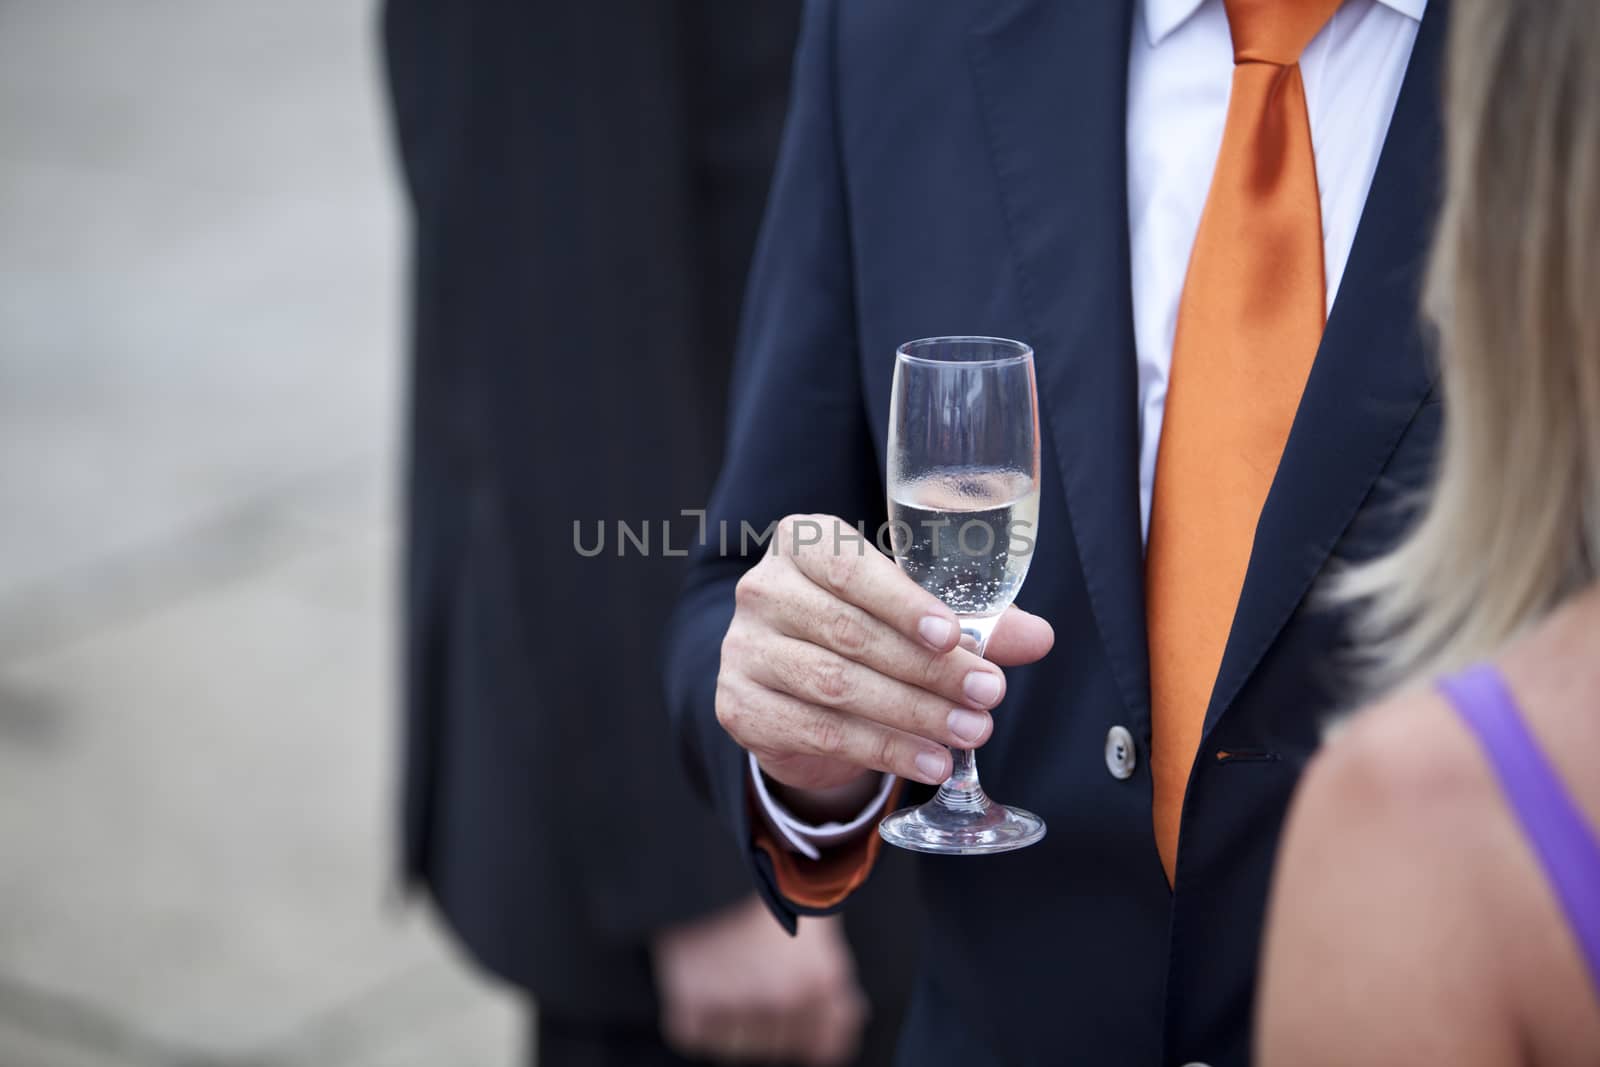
[722, 1040]
[1020, 638]
[803, 610]
[821, 548]
[782, 726]
[825, 679]
[835, 1034]
[718, 1037]
[800, 1029]
[783, 1034]
[765, 1035]
[747, 1036]
[688, 1031]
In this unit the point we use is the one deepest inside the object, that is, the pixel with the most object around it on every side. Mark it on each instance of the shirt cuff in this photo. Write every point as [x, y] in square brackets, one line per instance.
[810, 839]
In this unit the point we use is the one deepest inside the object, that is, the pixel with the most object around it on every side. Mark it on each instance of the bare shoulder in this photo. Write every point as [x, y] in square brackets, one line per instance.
[1410, 921]
[1373, 915]
[1396, 812]
[1405, 760]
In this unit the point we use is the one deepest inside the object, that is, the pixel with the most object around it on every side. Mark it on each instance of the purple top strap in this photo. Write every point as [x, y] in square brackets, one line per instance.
[1567, 847]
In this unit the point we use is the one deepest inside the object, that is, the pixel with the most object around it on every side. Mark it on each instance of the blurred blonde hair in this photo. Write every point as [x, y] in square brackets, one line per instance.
[1513, 523]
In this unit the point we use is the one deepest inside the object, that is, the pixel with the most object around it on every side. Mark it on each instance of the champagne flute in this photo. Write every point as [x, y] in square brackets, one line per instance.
[963, 482]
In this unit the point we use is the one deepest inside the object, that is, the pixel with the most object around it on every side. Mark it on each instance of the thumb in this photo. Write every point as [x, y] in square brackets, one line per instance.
[1020, 638]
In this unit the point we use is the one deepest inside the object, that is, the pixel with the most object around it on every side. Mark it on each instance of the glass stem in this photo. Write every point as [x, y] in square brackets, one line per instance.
[962, 791]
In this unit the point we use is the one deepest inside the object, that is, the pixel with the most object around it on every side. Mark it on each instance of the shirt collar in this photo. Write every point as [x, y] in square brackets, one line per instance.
[1161, 17]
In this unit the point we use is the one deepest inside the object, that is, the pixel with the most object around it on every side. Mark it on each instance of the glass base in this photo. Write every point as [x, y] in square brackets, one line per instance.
[987, 827]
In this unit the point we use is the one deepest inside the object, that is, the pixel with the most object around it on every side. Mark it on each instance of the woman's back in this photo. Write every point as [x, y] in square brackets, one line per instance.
[1420, 925]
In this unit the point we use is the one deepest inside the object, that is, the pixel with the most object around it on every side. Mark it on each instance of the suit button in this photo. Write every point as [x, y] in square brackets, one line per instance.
[1121, 756]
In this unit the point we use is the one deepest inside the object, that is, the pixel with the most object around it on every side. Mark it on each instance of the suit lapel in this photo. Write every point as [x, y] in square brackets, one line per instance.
[1370, 377]
[1052, 77]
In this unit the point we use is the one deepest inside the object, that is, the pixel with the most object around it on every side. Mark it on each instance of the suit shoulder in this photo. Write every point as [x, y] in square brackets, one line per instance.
[898, 28]
[871, 18]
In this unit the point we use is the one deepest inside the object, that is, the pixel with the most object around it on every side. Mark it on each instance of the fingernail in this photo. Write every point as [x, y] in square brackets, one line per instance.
[968, 725]
[934, 630]
[982, 688]
[931, 766]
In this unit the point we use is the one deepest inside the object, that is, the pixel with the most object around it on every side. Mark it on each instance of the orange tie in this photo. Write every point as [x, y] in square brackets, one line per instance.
[1249, 324]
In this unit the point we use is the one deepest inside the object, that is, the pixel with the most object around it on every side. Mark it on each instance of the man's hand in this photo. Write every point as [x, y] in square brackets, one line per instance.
[737, 987]
[837, 663]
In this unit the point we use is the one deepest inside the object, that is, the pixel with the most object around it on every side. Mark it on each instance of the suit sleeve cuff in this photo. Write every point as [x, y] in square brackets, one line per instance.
[809, 839]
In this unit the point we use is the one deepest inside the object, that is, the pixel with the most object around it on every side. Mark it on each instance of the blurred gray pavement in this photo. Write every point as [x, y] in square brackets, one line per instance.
[199, 389]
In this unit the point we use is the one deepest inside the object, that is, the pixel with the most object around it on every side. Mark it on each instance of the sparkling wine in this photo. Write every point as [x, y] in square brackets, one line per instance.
[966, 535]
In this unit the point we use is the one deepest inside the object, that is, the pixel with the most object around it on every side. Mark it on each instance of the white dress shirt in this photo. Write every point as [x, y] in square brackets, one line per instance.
[1180, 72]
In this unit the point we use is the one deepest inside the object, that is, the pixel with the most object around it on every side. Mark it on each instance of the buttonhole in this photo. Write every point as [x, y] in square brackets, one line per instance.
[1246, 755]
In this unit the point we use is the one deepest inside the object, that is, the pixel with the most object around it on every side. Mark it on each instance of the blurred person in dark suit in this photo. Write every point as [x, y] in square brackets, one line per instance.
[587, 182]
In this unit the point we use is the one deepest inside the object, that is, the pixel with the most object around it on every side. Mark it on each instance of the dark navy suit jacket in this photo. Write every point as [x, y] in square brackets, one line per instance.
[959, 167]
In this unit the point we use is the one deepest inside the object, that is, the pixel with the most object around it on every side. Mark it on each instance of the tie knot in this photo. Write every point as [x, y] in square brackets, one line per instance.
[1275, 31]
